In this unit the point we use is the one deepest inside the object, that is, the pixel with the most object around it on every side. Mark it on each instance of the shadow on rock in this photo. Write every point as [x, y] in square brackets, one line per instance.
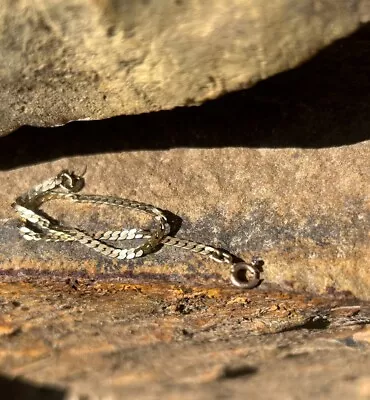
[323, 103]
[16, 389]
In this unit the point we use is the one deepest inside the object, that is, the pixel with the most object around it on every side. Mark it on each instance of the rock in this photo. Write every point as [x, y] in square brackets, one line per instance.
[280, 170]
[112, 340]
[280, 204]
[64, 60]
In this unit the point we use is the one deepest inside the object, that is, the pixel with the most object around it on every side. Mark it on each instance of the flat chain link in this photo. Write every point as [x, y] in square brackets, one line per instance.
[36, 225]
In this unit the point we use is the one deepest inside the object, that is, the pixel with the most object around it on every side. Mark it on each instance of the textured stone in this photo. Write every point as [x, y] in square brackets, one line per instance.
[63, 60]
[251, 202]
[100, 339]
[281, 171]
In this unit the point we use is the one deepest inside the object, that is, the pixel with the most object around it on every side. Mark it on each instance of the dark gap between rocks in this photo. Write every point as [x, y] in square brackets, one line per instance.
[16, 389]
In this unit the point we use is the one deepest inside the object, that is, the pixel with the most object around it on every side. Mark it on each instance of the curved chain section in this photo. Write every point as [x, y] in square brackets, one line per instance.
[63, 187]
[38, 226]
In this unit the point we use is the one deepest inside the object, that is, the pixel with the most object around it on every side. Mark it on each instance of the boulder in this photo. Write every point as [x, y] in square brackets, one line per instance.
[64, 60]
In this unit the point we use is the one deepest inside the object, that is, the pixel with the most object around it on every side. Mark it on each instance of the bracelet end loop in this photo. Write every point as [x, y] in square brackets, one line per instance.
[244, 275]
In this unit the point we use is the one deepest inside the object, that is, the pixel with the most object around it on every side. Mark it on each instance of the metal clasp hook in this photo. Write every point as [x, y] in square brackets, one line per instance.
[245, 275]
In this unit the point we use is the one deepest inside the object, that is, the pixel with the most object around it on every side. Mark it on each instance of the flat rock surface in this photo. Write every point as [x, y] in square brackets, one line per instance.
[88, 339]
[249, 201]
[63, 60]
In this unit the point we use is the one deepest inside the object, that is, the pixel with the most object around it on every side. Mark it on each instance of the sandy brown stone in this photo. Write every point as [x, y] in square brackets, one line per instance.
[153, 341]
[63, 60]
[281, 171]
[271, 211]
